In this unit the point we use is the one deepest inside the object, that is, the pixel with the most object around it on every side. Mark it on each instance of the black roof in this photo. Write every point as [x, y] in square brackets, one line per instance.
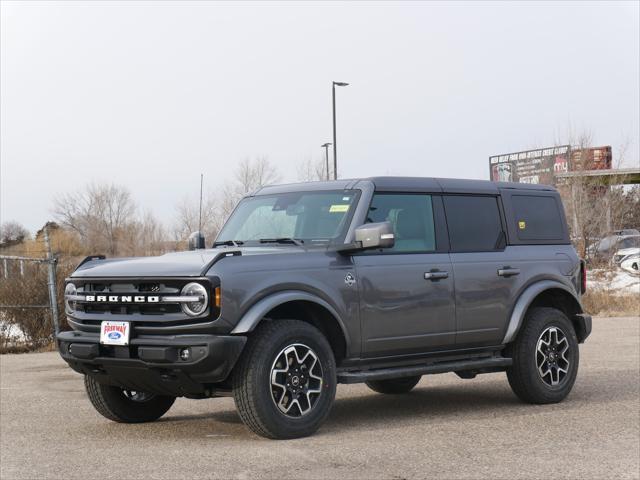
[450, 185]
[415, 184]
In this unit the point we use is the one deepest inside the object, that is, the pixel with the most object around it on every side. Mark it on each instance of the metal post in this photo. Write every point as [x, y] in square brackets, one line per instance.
[326, 157]
[326, 161]
[51, 270]
[335, 146]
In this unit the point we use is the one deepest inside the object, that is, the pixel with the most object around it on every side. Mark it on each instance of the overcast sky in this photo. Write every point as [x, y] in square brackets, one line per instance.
[150, 94]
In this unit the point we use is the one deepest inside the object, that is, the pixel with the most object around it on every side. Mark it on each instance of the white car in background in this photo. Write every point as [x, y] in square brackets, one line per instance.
[631, 264]
[608, 247]
[623, 254]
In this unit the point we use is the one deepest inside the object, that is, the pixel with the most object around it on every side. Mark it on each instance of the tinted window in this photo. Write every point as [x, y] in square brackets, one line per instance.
[411, 217]
[474, 223]
[537, 217]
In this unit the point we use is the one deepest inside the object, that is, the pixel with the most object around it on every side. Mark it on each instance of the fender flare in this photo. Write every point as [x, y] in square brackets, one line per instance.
[525, 299]
[256, 313]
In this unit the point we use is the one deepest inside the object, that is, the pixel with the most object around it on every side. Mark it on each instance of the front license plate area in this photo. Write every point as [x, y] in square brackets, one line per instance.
[115, 333]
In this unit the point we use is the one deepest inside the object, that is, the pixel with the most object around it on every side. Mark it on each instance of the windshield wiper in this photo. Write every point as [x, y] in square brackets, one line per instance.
[231, 243]
[295, 241]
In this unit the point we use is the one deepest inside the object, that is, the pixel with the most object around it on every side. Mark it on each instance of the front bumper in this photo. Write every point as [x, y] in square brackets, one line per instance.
[153, 363]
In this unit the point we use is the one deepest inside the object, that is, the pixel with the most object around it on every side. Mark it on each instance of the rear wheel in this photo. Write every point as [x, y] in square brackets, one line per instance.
[394, 385]
[285, 381]
[126, 406]
[545, 357]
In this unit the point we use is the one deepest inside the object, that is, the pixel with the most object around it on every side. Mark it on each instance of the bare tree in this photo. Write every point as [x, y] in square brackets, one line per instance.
[311, 170]
[12, 233]
[187, 218]
[99, 214]
[144, 236]
[249, 175]
[595, 205]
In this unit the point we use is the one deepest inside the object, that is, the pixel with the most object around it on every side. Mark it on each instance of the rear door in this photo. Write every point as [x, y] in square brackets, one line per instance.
[486, 277]
[406, 292]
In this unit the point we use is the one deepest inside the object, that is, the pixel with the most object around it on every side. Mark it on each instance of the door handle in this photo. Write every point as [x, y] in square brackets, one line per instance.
[435, 275]
[508, 272]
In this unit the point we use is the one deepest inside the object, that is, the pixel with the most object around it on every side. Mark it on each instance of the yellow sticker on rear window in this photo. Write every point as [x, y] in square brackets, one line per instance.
[339, 208]
[522, 224]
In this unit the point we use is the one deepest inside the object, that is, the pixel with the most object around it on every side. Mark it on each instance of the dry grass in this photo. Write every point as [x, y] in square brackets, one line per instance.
[604, 303]
[26, 348]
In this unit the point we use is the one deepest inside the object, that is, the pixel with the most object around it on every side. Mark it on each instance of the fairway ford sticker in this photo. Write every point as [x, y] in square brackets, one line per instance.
[522, 225]
[115, 333]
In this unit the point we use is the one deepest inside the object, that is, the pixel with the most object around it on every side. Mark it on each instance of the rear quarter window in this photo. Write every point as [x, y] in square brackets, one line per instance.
[537, 217]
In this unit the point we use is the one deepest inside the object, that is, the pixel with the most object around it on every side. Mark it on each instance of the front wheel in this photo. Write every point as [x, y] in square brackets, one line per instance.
[126, 406]
[545, 357]
[285, 381]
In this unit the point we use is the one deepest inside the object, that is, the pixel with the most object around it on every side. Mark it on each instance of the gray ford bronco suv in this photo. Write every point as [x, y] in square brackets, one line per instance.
[378, 280]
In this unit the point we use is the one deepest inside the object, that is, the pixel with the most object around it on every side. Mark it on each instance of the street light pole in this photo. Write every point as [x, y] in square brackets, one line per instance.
[335, 148]
[326, 157]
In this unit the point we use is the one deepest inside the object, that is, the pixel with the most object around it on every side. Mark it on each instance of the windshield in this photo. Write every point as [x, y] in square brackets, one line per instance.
[293, 217]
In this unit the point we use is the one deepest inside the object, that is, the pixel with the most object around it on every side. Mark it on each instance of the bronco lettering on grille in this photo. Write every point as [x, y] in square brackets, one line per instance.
[122, 299]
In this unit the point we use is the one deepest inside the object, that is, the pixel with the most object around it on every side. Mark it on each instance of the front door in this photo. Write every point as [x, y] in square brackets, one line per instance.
[406, 292]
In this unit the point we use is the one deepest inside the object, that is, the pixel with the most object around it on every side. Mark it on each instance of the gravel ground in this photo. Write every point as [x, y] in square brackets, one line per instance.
[446, 428]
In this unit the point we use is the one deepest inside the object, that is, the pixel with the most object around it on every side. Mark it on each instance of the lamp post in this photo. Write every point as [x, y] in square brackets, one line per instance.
[326, 156]
[335, 149]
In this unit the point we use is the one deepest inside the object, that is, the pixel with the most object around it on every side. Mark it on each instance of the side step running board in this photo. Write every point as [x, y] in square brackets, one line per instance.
[480, 365]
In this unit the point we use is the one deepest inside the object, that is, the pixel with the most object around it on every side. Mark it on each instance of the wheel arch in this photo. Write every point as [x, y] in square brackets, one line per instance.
[548, 293]
[298, 305]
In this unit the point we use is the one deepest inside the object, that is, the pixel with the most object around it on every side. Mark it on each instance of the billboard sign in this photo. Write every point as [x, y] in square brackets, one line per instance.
[543, 164]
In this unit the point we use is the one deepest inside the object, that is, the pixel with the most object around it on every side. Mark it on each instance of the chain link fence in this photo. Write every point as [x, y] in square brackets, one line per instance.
[31, 300]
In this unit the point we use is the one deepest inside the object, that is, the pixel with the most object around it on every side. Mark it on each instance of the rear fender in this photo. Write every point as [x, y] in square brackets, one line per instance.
[526, 299]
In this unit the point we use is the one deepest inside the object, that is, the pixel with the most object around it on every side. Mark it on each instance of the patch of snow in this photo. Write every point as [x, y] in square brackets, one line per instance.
[616, 282]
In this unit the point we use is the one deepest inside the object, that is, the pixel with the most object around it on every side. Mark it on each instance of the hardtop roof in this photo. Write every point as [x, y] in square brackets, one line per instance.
[407, 184]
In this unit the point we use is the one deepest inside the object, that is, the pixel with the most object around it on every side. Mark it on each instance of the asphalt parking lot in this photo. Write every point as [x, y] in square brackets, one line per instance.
[446, 428]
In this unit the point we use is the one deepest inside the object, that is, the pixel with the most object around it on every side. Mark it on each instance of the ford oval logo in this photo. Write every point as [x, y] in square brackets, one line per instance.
[114, 335]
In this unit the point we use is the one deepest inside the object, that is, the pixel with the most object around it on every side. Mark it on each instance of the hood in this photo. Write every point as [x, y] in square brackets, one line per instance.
[178, 264]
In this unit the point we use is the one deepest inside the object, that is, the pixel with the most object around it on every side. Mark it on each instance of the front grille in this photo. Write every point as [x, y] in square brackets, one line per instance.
[131, 309]
[131, 289]
[151, 305]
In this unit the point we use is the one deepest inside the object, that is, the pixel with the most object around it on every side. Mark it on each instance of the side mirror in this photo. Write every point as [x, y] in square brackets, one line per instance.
[196, 241]
[375, 235]
[371, 235]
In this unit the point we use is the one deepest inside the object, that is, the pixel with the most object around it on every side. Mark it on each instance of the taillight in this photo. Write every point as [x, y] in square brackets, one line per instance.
[583, 276]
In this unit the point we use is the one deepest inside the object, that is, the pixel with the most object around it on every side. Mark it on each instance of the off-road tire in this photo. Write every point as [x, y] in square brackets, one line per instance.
[524, 378]
[252, 388]
[394, 385]
[112, 403]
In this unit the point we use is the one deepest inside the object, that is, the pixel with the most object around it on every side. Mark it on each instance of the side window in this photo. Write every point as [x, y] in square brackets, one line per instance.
[537, 217]
[474, 223]
[412, 219]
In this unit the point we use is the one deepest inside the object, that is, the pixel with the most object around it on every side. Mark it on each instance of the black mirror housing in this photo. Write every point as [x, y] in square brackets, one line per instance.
[196, 241]
[370, 236]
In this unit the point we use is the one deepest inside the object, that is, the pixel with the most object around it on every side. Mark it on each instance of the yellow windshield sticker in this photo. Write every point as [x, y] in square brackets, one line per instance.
[522, 224]
[339, 208]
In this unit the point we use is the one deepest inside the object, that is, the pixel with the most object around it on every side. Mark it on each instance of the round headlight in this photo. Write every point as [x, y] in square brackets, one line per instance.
[199, 305]
[70, 289]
